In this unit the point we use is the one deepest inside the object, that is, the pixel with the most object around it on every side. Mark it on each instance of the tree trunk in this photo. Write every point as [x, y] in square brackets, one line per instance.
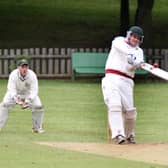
[143, 18]
[124, 16]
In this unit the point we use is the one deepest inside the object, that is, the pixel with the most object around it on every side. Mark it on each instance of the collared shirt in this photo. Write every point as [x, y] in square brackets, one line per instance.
[118, 56]
[19, 85]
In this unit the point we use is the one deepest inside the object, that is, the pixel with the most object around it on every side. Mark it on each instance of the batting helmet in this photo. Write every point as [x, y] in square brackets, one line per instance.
[138, 31]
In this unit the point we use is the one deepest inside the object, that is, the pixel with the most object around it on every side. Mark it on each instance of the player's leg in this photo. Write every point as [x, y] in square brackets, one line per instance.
[109, 133]
[3, 114]
[113, 101]
[5, 107]
[130, 113]
[116, 123]
[130, 121]
[37, 116]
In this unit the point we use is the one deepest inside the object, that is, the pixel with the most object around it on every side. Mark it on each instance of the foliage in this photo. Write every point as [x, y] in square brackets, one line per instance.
[63, 23]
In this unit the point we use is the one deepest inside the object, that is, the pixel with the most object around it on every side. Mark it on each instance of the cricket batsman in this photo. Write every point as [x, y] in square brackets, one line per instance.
[124, 58]
[22, 90]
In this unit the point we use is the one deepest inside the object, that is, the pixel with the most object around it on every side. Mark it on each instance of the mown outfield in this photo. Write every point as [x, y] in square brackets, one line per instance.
[71, 23]
[75, 112]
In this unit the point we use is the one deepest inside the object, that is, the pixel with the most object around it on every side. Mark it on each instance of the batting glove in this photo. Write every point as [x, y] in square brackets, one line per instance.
[131, 59]
[134, 61]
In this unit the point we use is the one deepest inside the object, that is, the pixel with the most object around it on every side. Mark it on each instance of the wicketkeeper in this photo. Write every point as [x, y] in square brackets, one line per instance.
[22, 90]
[117, 85]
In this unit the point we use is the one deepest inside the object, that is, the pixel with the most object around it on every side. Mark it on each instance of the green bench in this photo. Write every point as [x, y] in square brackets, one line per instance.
[88, 63]
[91, 63]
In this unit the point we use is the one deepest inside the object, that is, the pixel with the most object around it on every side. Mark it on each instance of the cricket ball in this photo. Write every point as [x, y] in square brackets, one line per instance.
[155, 65]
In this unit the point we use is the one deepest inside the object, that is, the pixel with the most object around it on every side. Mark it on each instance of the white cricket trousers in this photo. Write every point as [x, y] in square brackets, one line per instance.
[36, 107]
[118, 97]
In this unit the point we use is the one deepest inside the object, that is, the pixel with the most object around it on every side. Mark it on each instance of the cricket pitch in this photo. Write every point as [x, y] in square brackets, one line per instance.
[151, 153]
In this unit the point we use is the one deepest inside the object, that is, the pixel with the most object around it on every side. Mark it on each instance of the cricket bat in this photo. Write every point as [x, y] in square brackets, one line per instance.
[155, 71]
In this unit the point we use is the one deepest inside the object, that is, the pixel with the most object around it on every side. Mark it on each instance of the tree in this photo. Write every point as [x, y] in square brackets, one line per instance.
[124, 16]
[143, 18]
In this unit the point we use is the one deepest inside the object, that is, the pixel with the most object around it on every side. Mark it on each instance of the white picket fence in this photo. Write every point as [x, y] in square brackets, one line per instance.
[56, 62]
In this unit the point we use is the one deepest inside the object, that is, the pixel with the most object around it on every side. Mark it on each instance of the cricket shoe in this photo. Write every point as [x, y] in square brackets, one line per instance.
[131, 140]
[120, 139]
[38, 131]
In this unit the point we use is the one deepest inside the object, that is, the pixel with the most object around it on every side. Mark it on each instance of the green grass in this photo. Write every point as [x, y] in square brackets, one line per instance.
[75, 112]
[151, 101]
[70, 23]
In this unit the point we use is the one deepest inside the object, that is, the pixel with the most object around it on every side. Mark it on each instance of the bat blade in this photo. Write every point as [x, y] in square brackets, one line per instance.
[155, 71]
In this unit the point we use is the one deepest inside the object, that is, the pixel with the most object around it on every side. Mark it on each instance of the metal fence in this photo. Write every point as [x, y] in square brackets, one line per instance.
[56, 62]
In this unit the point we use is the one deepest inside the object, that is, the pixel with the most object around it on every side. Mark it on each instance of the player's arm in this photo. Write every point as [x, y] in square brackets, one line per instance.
[11, 86]
[135, 60]
[140, 59]
[33, 89]
[120, 45]
[33, 92]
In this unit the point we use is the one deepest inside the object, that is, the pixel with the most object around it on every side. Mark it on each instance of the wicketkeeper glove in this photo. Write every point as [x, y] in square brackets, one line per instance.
[18, 100]
[24, 105]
